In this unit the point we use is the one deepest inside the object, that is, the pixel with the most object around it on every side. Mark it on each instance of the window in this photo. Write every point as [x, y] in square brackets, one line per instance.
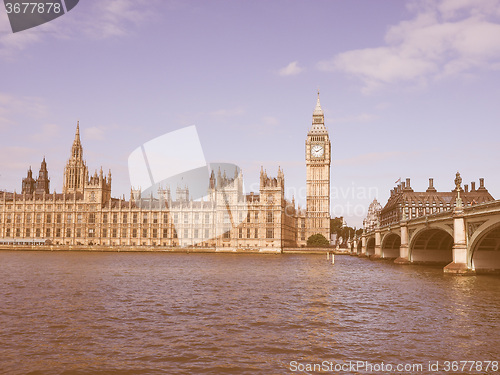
[195, 235]
[165, 233]
[78, 232]
[9, 218]
[186, 218]
[79, 218]
[124, 232]
[68, 220]
[28, 232]
[134, 219]
[38, 218]
[207, 218]
[47, 232]
[144, 232]
[269, 217]
[155, 218]
[18, 232]
[134, 233]
[28, 218]
[114, 233]
[155, 233]
[240, 233]
[256, 215]
[124, 219]
[91, 233]
[270, 233]
[248, 232]
[256, 233]
[105, 218]
[58, 232]
[115, 218]
[207, 233]
[227, 233]
[68, 232]
[104, 232]
[248, 217]
[176, 218]
[7, 232]
[165, 218]
[145, 219]
[186, 233]
[92, 218]
[226, 218]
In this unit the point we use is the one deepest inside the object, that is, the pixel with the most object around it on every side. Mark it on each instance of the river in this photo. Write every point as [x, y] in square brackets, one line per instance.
[161, 313]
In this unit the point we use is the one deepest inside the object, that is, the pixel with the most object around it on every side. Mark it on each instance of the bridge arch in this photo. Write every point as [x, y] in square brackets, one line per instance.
[390, 245]
[370, 246]
[484, 254]
[431, 245]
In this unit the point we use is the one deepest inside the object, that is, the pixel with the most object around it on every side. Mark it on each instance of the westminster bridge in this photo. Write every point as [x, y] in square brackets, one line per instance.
[464, 239]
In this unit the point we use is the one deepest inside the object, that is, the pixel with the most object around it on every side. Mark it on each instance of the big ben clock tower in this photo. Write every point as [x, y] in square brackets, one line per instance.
[318, 159]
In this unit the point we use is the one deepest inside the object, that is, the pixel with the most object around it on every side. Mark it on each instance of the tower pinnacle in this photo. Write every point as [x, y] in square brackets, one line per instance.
[318, 111]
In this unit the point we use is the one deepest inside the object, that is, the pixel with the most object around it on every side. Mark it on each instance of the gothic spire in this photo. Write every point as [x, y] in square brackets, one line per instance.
[318, 123]
[318, 111]
[77, 150]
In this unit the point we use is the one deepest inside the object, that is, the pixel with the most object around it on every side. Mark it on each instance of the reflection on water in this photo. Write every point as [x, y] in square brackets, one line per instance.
[152, 313]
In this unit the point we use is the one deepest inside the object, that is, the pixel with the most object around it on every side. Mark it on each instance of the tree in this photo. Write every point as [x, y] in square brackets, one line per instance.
[343, 233]
[317, 240]
[335, 224]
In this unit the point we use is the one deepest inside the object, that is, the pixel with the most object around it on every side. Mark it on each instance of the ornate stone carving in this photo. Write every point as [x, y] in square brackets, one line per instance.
[472, 227]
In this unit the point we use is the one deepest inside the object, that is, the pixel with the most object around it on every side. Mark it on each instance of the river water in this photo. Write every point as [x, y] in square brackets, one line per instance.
[160, 313]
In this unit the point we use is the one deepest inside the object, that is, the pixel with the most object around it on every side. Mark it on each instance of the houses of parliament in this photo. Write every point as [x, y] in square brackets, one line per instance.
[226, 219]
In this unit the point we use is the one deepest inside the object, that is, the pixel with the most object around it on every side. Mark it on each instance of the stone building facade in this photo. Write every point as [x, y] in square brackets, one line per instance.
[318, 159]
[373, 216]
[227, 219]
[404, 200]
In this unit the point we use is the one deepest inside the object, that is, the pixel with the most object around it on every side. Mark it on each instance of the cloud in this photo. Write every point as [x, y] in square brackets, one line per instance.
[94, 133]
[11, 43]
[116, 17]
[12, 106]
[291, 69]
[445, 38]
[270, 121]
[98, 20]
[228, 112]
[15, 158]
[47, 133]
[363, 117]
[368, 159]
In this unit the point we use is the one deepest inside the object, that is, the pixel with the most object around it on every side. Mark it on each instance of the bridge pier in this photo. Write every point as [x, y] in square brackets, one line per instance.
[363, 246]
[378, 247]
[403, 248]
[459, 264]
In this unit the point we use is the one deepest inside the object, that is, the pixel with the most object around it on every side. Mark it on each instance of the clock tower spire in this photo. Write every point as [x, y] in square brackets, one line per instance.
[318, 160]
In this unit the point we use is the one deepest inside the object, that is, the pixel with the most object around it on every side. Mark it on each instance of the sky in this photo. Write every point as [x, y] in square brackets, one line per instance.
[410, 89]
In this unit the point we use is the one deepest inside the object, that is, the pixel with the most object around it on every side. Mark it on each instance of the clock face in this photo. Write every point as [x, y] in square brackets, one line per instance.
[317, 151]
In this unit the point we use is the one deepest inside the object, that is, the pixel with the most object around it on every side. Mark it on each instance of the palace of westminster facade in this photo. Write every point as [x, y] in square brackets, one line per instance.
[227, 219]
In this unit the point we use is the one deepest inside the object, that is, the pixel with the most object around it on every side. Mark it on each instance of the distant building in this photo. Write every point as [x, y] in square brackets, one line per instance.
[373, 216]
[40, 185]
[85, 213]
[416, 204]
